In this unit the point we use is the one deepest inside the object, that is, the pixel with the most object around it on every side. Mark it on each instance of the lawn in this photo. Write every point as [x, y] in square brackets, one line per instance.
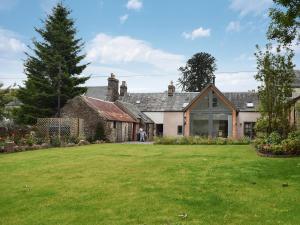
[115, 184]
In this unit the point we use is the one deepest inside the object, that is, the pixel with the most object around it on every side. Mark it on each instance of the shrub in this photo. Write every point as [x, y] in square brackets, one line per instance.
[55, 141]
[165, 140]
[197, 140]
[277, 149]
[30, 140]
[294, 135]
[73, 139]
[221, 141]
[291, 146]
[273, 144]
[274, 138]
[100, 132]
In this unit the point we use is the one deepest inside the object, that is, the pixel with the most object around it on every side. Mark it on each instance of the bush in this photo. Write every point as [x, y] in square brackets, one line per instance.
[165, 140]
[55, 141]
[273, 144]
[274, 138]
[197, 140]
[291, 146]
[73, 139]
[100, 132]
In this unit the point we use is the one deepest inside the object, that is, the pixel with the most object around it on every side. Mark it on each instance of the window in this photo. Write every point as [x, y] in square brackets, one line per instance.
[250, 105]
[249, 130]
[179, 130]
[115, 124]
[215, 102]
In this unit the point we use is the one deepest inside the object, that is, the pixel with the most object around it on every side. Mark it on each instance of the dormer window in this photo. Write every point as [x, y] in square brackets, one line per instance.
[250, 105]
[185, 104]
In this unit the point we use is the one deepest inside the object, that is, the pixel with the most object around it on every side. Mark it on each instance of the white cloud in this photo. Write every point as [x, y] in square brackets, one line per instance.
[107, 49]
[256, 7]
[197, 33]
[233, 82]
[11, 54]
[233, 26]
[123, 18]
[9, 43]
[245, 57]
[134, 4]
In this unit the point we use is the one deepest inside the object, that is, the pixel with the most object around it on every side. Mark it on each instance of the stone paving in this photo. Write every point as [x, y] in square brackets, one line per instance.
[139, 143]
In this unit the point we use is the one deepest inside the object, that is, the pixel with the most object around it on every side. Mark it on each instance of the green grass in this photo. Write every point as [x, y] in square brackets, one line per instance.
[148, 184]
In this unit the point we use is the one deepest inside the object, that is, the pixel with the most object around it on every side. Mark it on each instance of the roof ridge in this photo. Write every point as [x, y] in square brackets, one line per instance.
[99, 99]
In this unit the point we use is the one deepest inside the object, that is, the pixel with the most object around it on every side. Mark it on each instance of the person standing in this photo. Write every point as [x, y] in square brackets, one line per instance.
[143, 135]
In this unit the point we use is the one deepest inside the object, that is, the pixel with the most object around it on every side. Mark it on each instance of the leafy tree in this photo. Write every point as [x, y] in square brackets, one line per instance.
[275, 74]
[4, 99]
[285, 21]
[53, 68]
[198, 72]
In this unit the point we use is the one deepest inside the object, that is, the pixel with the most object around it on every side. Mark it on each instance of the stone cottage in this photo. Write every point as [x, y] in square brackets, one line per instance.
[118, 125]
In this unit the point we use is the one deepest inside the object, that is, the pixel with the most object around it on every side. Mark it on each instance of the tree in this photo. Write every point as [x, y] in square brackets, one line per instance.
[285, 21]
[275, 74]
[198, 72]
[4, 100]
[53, 68]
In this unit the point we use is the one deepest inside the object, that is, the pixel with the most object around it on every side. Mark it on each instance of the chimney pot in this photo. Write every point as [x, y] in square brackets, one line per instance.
[123, 88]
[213, 79]
[171, 89]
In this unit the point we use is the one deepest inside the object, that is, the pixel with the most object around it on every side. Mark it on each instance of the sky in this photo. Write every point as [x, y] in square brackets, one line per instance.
[144, 42]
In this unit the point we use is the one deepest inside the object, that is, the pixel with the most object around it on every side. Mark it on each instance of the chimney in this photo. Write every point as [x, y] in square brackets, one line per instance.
[213, 79]
[113, 88]
[123, 88]
[171, 89]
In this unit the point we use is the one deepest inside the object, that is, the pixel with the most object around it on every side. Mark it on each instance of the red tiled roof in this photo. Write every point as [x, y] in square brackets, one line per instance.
[109, 110]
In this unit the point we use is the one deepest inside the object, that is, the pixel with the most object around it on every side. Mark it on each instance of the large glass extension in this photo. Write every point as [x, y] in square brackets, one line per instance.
[211, 117]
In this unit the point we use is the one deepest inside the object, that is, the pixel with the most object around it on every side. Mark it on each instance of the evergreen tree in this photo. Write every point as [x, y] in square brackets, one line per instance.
[53, 68]
[198, 72]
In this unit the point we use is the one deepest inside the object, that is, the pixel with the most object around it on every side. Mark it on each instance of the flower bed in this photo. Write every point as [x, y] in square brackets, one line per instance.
[31, 142]
[273, 145]
[197, 140]
[10, 147]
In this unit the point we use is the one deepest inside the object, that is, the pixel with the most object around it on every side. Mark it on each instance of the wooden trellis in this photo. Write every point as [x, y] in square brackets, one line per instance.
[61, 127]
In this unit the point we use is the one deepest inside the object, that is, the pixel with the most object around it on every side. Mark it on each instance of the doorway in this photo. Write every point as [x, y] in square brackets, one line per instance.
[159, 130]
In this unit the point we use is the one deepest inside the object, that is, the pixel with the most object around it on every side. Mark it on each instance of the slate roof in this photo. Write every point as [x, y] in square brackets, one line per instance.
[133, 111]
[109, 110]
[240, 100]
[296, 84]
[97, 92]
[160, 102]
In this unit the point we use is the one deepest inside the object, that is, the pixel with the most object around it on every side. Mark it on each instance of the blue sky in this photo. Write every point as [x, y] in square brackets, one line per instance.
[145, 41]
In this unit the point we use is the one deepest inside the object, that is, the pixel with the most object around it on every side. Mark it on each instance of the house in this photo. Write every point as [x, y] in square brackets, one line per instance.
[170, 113]
[118, 125]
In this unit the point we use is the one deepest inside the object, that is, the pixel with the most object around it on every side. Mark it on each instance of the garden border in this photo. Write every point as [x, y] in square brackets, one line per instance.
[268, 155]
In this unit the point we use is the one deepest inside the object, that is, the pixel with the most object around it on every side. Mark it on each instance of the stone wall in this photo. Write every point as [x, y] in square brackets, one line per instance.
[78, 108]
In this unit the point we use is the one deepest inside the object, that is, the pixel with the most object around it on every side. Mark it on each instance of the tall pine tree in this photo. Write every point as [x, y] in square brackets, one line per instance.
[53, 68]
